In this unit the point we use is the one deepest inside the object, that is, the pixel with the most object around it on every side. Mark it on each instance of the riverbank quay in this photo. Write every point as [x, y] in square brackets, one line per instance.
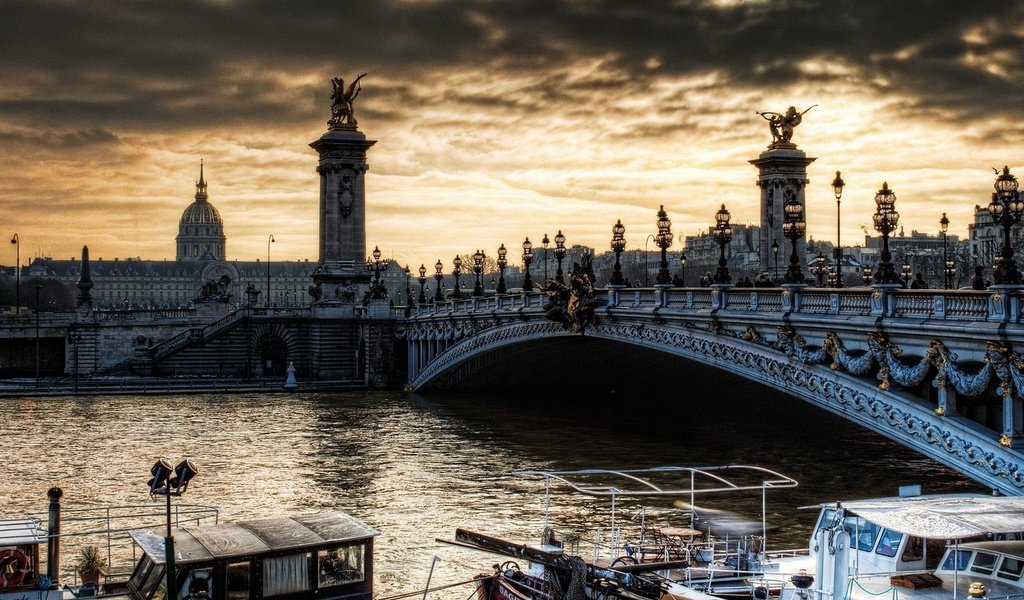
[158, 386]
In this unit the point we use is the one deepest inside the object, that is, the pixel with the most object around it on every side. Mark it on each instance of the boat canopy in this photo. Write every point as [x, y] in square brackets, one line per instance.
[17, 532]
[667, 481]
[950, 516]
[259, 536]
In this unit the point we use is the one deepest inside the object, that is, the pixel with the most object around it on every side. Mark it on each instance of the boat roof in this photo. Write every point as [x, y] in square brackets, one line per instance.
[667, 480]
[14, 532]
[949, 516]
[258, 536]
[1014, 548]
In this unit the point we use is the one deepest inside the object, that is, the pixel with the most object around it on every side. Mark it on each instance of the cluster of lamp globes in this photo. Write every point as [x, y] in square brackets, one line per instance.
[168, 480]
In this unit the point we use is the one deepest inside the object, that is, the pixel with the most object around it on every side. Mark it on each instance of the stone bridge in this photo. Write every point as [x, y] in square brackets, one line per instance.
[934, 370]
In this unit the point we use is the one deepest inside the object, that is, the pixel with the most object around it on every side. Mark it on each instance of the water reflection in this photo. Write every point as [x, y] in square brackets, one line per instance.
[417, 467]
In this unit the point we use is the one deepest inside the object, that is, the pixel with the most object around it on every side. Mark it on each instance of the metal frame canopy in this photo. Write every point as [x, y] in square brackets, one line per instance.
[665, 481]
[948, 516]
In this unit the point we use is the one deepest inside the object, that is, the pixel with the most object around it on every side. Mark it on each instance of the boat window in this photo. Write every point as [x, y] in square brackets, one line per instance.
[198, 585]
[983, 563]
[889, 542]
[1010, 568]
[962, 558]
[826, 518]
[154, 586]
[236, 581]
[864, 531]
[914, 550]
[285, 574]
[339, 566]
[139, 574]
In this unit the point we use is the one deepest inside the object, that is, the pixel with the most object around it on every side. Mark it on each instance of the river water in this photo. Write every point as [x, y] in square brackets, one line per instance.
[416, 467]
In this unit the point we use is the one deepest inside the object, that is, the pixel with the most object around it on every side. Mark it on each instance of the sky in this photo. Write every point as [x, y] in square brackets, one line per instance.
[495, 119]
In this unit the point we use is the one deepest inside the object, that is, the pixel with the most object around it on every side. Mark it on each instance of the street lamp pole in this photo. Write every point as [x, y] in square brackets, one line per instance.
[17, 273]
[682, 267]
[793, 228]
[837, 187]
[559, 255]
[439, 277]
[544, 242]
[457, 272]
[944, 225]
[170, 482]
[618, 244]
[527, 259]
[664, 241]
[1006, 208]
[885, 220]
[502, 263]
[270, 240]
[650, 236]
[478, 269]
[723, 235]
[423, 282]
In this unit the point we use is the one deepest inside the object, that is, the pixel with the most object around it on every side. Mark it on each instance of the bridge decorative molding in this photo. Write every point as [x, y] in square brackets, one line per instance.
[854, 372]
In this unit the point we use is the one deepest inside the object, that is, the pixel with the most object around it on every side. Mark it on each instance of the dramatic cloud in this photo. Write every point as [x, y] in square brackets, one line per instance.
[495, 120]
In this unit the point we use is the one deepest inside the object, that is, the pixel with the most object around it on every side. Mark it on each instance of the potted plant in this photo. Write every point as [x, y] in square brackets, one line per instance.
[91, 565]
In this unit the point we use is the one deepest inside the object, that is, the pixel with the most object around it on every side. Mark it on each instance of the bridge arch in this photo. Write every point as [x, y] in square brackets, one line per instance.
[465, 349]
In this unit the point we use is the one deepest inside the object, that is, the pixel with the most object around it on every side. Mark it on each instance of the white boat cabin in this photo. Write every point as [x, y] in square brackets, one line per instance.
[20, 540]
[323, 555]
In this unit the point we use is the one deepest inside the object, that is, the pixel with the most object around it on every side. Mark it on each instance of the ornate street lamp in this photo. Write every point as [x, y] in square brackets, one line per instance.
[837, 188]
[423, 282]
[527, 259]
[723, 235]
[457, 272]
[1006, 208]
[682, 267]
[17, 273]
[866, 275]
[819, 268]
[793, 227]
[664, 241]
[618, 245]
[559, 255]
[944, 227]
[906, 270]
[270, 240]
[478, 268]
[502, 263]
[544, 242]
[439, 277]
[886, 218]
[775, 253]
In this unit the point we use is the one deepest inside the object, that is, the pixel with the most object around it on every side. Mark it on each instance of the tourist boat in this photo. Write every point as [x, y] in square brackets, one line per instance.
[911, 547]
[323, 555]
[688, 560]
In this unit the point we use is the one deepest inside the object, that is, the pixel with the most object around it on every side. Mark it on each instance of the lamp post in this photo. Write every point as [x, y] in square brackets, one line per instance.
[866, 275]
[527, 259]
[270, 240]
[457, 272]
[559, 255]
[723, 235]
[819, 268]
[170, 482]
[439, 277]
[544, 242]
[647, 262]
[478, 268]
[944, 227]
[664, 241]
[618, 245]
[682, 267]
[885, 220]
[38, 356]
[1006, 208]
[775, 253]
[502, 262]
[423, 282]
[837, 188]
[17, 273]
[793, 228]
[906, 270]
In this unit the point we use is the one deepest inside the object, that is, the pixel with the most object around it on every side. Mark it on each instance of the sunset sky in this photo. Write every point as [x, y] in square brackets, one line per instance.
[494, 119]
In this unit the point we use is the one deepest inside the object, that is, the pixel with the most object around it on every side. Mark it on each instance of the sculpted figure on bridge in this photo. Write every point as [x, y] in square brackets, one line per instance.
[572, 305]
[782, 125]
[342, 110]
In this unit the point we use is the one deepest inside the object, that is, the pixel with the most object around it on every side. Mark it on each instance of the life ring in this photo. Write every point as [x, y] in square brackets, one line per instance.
[13, 567]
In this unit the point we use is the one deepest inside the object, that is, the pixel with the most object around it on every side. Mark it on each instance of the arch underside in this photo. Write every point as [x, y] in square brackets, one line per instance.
[897, 415]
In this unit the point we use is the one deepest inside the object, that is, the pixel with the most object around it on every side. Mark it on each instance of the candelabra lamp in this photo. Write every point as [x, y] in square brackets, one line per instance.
[793, 227]
[886, 218]
[946, 278]
[457, 272]
[527, 259]
[502, 263]
[723, 235]
[664, 240]
[478, 268]
[559, 255]
[423, 284]
[618, 245]
[1006, 209]
[439, 277]
[837, 188]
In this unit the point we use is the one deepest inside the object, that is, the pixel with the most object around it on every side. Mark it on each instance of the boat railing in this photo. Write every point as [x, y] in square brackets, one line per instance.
[107, 527]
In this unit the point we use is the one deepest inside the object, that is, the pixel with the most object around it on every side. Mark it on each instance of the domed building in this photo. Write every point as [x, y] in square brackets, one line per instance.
[201, 230]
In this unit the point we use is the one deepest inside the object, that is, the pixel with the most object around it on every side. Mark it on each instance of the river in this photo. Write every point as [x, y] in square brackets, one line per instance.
[416, 467]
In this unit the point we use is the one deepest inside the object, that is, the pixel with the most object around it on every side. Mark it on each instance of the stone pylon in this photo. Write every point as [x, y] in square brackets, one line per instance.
[782, 175]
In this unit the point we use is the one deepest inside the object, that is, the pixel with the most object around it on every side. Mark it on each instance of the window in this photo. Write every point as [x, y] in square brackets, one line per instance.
[286, 574]
[983, 563]
[1010, 568]
[340, 566]
[236, 581]
[865, 532]
[889, 543]
[914, 550]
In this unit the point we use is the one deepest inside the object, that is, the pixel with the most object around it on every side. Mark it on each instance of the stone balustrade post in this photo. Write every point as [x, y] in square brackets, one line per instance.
[883, 300]
[791, 296]
[613, 295]
[720, 295]
[661, 294]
